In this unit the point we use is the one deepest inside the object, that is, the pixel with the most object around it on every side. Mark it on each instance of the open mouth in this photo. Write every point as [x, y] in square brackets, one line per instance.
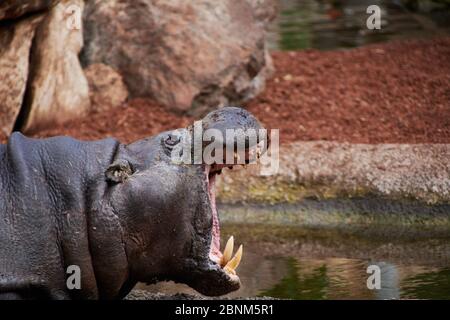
[225, 260]
[212, 271]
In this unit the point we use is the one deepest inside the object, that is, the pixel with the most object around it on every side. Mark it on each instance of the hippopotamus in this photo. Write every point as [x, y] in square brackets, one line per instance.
[121, 213]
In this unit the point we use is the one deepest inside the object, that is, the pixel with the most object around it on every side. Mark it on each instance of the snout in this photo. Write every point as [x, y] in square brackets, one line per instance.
[227, 118]
[211, 280]
[240, 134]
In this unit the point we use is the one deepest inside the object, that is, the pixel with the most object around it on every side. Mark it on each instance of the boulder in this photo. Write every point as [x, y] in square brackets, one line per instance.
[264, 11]
[15, 44]
[190, 56]
[106, 86]
[335, 170]
[57, 88]
[12, 9]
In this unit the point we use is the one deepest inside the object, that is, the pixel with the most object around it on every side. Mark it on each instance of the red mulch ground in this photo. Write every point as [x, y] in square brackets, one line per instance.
[137, 119]
[389, 93]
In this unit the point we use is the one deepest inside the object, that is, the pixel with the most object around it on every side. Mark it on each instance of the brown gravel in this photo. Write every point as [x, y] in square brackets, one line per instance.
[138, 118]
[390, 93]
[395, 92]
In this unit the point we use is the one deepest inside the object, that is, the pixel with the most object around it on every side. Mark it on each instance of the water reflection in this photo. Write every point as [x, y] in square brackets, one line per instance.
[333, 24]
[428, 285]
[389, 282]
[318, 263]
[346, 279]
[329, 278]
[299, 284]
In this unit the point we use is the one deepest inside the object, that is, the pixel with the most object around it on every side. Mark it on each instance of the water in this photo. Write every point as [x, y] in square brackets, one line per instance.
[322, 263]
[338, 24]
[343, 278]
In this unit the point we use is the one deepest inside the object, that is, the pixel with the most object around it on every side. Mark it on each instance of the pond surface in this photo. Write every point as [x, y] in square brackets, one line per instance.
[320, 263]
[337, 24]
[306, 278]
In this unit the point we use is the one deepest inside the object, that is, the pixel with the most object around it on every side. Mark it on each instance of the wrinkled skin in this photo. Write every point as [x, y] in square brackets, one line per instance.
[122, 213]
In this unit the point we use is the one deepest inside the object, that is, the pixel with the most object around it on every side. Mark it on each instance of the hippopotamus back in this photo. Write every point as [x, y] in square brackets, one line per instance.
[45, 188]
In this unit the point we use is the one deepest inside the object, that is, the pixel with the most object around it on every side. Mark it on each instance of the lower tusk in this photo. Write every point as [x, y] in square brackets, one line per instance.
[234, 263]
[228, 251]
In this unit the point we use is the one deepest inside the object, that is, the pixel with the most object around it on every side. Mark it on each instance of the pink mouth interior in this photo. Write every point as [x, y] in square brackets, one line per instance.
[214, 253]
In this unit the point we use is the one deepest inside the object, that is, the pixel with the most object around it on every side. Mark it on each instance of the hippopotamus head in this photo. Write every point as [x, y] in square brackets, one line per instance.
[168, 209]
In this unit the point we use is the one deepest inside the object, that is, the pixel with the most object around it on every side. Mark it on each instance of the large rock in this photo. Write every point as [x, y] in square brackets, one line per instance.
[106, 86]
[264, 11]
[188, 55]
[11, 9]
[58, 89]
[15, 44]
[326, 170]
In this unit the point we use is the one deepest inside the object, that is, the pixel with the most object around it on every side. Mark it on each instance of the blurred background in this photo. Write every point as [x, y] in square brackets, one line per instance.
[339, 24]
[157, 64]
[364, 119]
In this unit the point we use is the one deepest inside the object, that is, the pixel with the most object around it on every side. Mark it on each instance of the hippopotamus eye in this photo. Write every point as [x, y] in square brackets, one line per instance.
[172, 140]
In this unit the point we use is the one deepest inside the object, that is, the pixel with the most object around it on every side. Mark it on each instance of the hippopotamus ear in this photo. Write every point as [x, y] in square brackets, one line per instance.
[119, 171]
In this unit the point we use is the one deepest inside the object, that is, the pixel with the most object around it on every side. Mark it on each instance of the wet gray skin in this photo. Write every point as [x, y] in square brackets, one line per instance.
[122, 213]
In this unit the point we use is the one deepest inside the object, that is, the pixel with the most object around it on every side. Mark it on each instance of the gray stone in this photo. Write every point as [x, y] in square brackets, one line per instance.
[190, 56]
[15, 44]
[58, 89]
[12, 9]
[327, 170]
[106, 87]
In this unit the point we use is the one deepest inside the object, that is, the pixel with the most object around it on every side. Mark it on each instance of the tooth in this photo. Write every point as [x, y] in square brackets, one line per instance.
[228, 251]
[234, 263]
[229, 270]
